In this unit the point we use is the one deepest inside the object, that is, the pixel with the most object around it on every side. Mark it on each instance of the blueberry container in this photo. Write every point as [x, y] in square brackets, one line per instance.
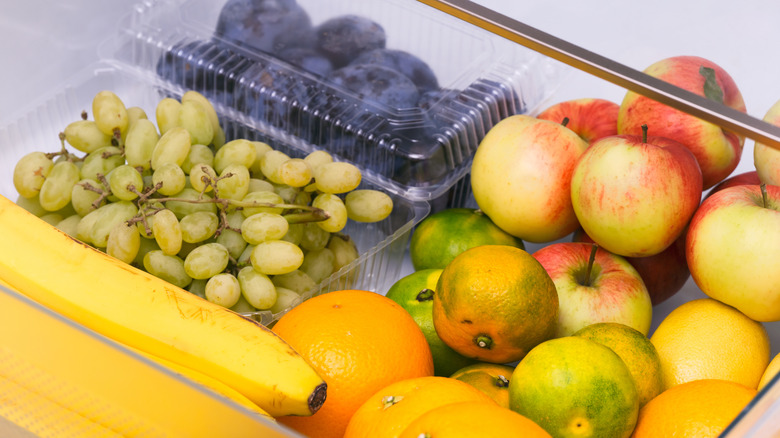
[396, 87]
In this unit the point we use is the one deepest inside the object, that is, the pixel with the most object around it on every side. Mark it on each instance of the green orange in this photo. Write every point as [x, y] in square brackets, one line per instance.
[490, 378]
[494, 303]
[414, 293]
[445, 234]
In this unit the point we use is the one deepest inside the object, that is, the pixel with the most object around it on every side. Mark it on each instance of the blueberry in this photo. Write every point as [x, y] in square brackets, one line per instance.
[410, 65]
[377, 84]
[308, 59]
[345, 37]
[265, 25]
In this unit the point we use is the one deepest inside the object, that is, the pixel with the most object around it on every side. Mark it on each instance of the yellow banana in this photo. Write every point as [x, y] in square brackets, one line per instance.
[151, 315]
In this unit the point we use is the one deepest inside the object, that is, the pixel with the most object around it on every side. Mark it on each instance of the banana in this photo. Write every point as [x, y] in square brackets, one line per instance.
[147, 313]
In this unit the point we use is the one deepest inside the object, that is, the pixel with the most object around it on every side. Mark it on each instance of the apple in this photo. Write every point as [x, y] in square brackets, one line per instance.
[520, 177]
[733, 249]
[745, 178]
[594, 286]
[634, 195]
[766, 159]
[664, 274]
[717, 151]
[590, 118]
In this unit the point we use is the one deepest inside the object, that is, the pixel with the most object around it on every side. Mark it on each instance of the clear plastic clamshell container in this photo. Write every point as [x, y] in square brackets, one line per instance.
[400, 89]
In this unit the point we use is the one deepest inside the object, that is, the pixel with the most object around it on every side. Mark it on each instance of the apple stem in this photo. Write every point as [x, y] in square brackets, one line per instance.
[644, 133]
[565, 121]
[763, 194]
[591, 260]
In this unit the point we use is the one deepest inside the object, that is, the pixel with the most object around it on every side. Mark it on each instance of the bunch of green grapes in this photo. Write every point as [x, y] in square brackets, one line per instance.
[237, 222]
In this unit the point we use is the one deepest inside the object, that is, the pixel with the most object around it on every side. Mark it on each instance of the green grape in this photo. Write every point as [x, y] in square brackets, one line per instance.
[302, 198]
[123, 242]
[264, 226]
[294, 234]
[167, 231]
[141, 139]
[30, 172]
[31, 204]
[262, 198]
[57, 188]
[52, 218]
[241, 152]
[260, 149]
[194, 96]
[285, 299]
[167, 267]
[134, 114]
[206, 261]
[186, 249]
[368, 205]
[295, 172]
[198, 226]
[146, 246]
[101, 162]
[344, 250]
[314, 237]
[85, 136]
[109, 112]
[223, 289]
[287, 193]
[172, 147]
[83, 199]
[233, 182]
[171, 179]
[243, 306]
[95, 227]
[199, 154]
[334, 206]
[257, 288]
[202, 178]
[337, 177]
[198, 287]
[67, 210]
[125, 182]
[276, 257]
[296, 280]
[219, 138]
[270, 163]
[318, 264]
[194, 118]
[69, 225]
[316, 158]
[260, 185]
[246, 255]
[231, 239]
[197, 202]
[167, 114]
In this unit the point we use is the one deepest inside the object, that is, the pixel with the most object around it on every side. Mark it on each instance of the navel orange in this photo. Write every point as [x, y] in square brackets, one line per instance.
[695, 409]
[359, 342]
[494, 303]
[490, 378]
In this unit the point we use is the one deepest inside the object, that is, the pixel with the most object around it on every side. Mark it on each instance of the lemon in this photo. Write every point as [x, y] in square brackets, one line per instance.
[706, 339]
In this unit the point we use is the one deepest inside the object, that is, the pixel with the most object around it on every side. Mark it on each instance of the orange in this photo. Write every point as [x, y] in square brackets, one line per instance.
[575, 387]
[445, 234]
[494, 303]
[390, 410]
[699, 408]
[490, 378]
[706, 339]
[637, 352]
[359, 342]
[414, 293]
[472, 420]
[770, 372]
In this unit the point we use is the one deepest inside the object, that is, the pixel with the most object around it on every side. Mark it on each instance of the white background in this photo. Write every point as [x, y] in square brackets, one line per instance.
[42, 42]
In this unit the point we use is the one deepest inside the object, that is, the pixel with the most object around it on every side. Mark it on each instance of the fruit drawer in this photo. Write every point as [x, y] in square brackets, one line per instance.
[341, 79]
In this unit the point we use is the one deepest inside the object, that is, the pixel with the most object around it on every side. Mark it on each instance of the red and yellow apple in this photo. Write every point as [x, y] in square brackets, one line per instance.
[745, 178]
[733, 249]
[717, 151]
[634, 195]
[521, 174]
[590, 118]
[594, 286]
[766, 159]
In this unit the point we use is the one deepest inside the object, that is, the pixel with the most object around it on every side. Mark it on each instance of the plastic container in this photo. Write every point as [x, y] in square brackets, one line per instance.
[419, 145]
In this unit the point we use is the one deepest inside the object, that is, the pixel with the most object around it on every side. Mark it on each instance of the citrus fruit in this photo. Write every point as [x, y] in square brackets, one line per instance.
[490, 378]
[573, 386]
[699, 408]
[359, 342]
[637, 352]
[390, 410]
[706, 339]
[494, 303]
[444, 234]
[472, 420]
[414, 293]
[771, 370]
